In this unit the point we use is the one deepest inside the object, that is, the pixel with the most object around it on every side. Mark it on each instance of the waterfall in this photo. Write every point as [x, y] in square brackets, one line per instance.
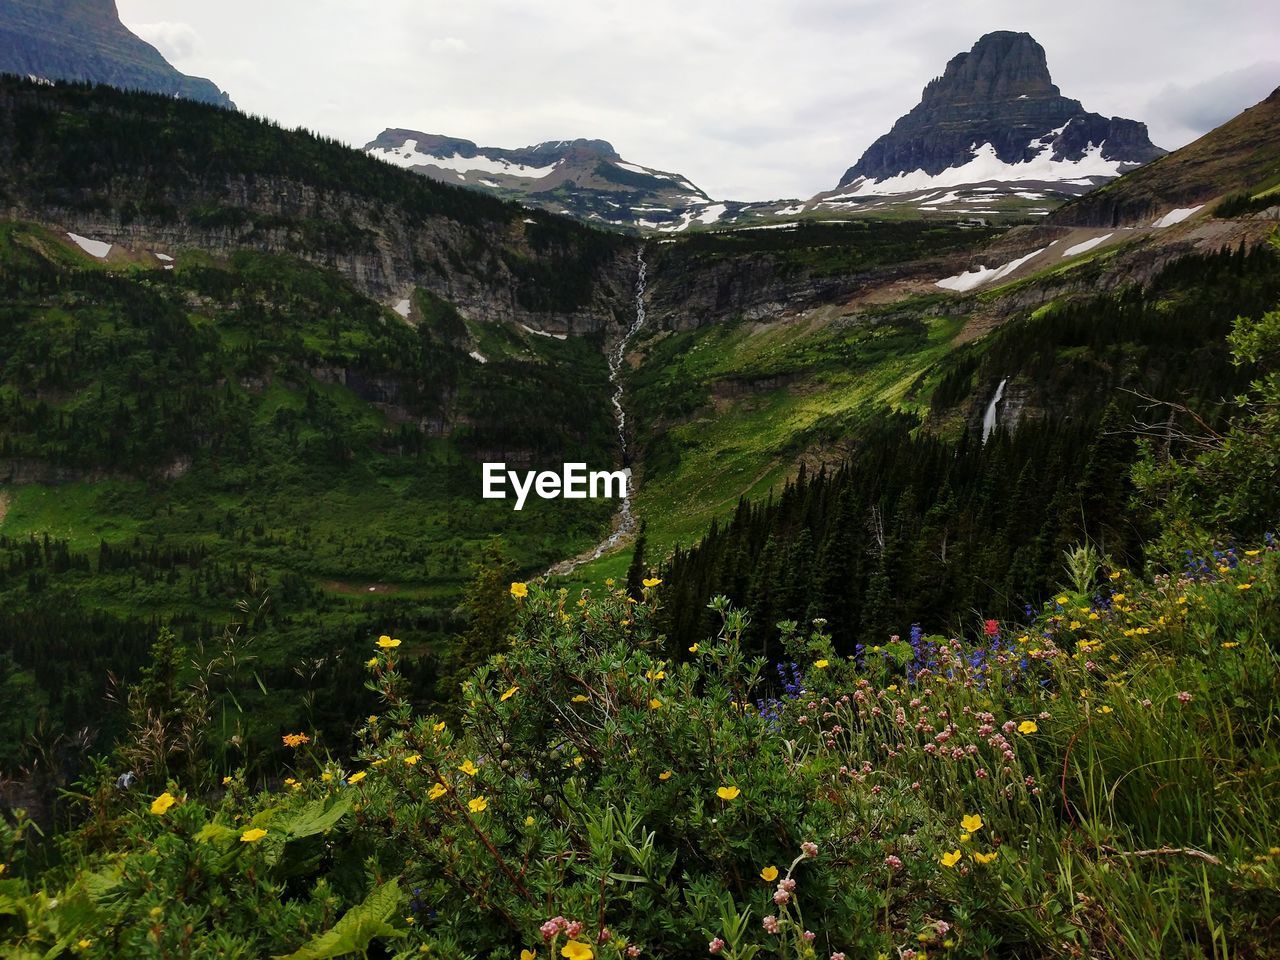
[989, 418]
[624, 520]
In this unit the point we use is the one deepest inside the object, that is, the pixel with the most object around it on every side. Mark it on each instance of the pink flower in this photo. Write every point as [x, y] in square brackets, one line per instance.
[604, 935]
[715, 946]
[1184, 696]
[787, 884]
[893, 862]
[780, 897]
[837, 956]
[809, 848]
[549, 929]
[770, 924]
[809, 936]
[634, 951]
[573, 929]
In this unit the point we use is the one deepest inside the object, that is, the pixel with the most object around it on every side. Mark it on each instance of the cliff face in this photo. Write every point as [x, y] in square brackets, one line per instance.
[162, 174]
[85, 40]
[999, 93]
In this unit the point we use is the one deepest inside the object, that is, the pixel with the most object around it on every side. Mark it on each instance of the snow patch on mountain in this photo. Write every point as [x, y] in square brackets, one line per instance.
[1086, 246]
[985, 165]
[95, 248]
[981, 276]
[408, 156]
[1175, 216]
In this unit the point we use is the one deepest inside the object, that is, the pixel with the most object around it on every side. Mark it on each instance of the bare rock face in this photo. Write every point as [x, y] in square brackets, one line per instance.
[999, 93]
[84, 40]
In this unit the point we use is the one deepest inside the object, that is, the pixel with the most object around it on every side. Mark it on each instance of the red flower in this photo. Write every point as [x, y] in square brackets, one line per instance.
[991, 628]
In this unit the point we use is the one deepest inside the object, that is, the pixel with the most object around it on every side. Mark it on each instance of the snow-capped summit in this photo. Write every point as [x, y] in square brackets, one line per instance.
[994, 124]
[586, 179]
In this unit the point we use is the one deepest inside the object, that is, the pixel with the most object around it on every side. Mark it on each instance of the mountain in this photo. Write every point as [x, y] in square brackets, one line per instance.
[994, 125]
[84, 40]
[586, 179]
[1238, 162]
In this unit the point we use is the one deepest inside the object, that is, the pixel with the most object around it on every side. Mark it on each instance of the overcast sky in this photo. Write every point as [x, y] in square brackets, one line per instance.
[750, 99]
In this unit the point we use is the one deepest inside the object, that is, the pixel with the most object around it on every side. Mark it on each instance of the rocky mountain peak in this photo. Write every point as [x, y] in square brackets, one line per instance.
[1001, 66]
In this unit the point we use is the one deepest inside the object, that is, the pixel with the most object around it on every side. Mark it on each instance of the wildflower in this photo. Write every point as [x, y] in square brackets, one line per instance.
[437, 791]
[991, 628]
[728, 793]
[651, 582]
[226, 781]
[1230, 644]
[1104, 709]
[655, 674]
[252, 836]
[469, 768]
[529, 821]
[809, 849]
[893, 863]
[655, 704]
[438, 727]
[770, 924]
[412, 759]
[809, 936]
[837, 956]
[295, 739]
[780, 896]
[821, 664]
[965, 837]
[971, 823]
[951, 859]
[665, 775]
[1028, 727]
[356, 777]
[478, 804]
[371, 662]
[769, 874]
[84, 944]
[161, 804]
[509, 693]
[1244, 586]
[1062, 601]
[985, 858]
[519, 590]
[581, 698]
[528, 954]
[291, 783]
[694, 649]
[715, 946]
[577, 950]
[386, 643]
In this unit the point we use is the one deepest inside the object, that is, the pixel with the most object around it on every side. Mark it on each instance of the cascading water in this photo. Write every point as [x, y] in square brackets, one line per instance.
[989, 418]
[624, 520]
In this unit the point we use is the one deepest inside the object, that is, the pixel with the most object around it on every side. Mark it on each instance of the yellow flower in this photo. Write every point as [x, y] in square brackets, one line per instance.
[664, 775]
[529, 821]
[655, 704]
[356, 778]
[1244, 586]
[519, 590]
[510, 692]
[728, 793]
[769, 874]
[161, 804]
[478, 805]
[821, 664]
[1103, 709]
[577, 950]
[1064, 600]
[651, 582]
[295, 739]
[469, 768]
[1028, 726]
[527, 955]
[964, 838]
[372, 718]
[438, 727]
[1230, 644]
[986, 857]
[412, 759]
[971, 823]
[326, 776]
[694, 648]
[655, 675]
[951, 859]
[252, 836]
[581, 698]
[226, 781]
[386, 643]
[84, 944]
[438, 791]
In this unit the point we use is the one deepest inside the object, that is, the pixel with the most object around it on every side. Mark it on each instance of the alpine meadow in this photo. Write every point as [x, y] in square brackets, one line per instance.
[480, 553]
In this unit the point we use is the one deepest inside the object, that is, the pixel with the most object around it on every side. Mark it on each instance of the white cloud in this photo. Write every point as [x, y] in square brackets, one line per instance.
[750, 99]
[176, 41]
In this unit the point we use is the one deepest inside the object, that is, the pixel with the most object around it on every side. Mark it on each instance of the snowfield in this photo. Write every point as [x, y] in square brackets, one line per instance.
[408, 155]
[95, 248]
[1175, 216]
[981, 276]
[1086, 245]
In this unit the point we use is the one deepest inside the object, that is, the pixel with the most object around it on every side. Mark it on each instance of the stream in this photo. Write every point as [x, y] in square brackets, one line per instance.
[989, 418]
[624, 520]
